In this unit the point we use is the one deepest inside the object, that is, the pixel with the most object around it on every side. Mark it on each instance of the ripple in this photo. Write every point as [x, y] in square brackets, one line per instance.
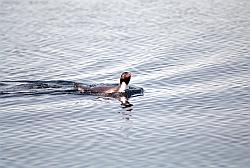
[191, 58]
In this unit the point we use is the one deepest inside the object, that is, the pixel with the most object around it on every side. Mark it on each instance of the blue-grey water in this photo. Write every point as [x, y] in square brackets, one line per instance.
[190, 57]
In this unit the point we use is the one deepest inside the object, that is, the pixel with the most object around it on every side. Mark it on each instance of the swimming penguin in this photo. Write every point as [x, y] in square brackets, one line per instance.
[124, 81]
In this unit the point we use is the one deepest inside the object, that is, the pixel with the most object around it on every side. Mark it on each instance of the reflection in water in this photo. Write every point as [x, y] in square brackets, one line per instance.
[127, 106]
[123, 97]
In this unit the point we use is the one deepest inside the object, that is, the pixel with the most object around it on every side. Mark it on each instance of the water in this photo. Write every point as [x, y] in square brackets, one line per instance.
[190, 57]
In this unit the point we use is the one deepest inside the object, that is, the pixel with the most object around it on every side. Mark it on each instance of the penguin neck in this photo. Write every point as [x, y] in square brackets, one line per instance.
[123, 87]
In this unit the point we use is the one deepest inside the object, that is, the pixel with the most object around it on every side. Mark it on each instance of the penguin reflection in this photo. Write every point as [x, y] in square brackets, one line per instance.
[128, 107]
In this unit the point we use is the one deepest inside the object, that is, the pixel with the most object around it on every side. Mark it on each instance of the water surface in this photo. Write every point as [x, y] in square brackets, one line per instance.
[190, 57]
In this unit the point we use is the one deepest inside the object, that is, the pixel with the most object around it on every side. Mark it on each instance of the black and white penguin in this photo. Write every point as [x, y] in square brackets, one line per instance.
[124, 81]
